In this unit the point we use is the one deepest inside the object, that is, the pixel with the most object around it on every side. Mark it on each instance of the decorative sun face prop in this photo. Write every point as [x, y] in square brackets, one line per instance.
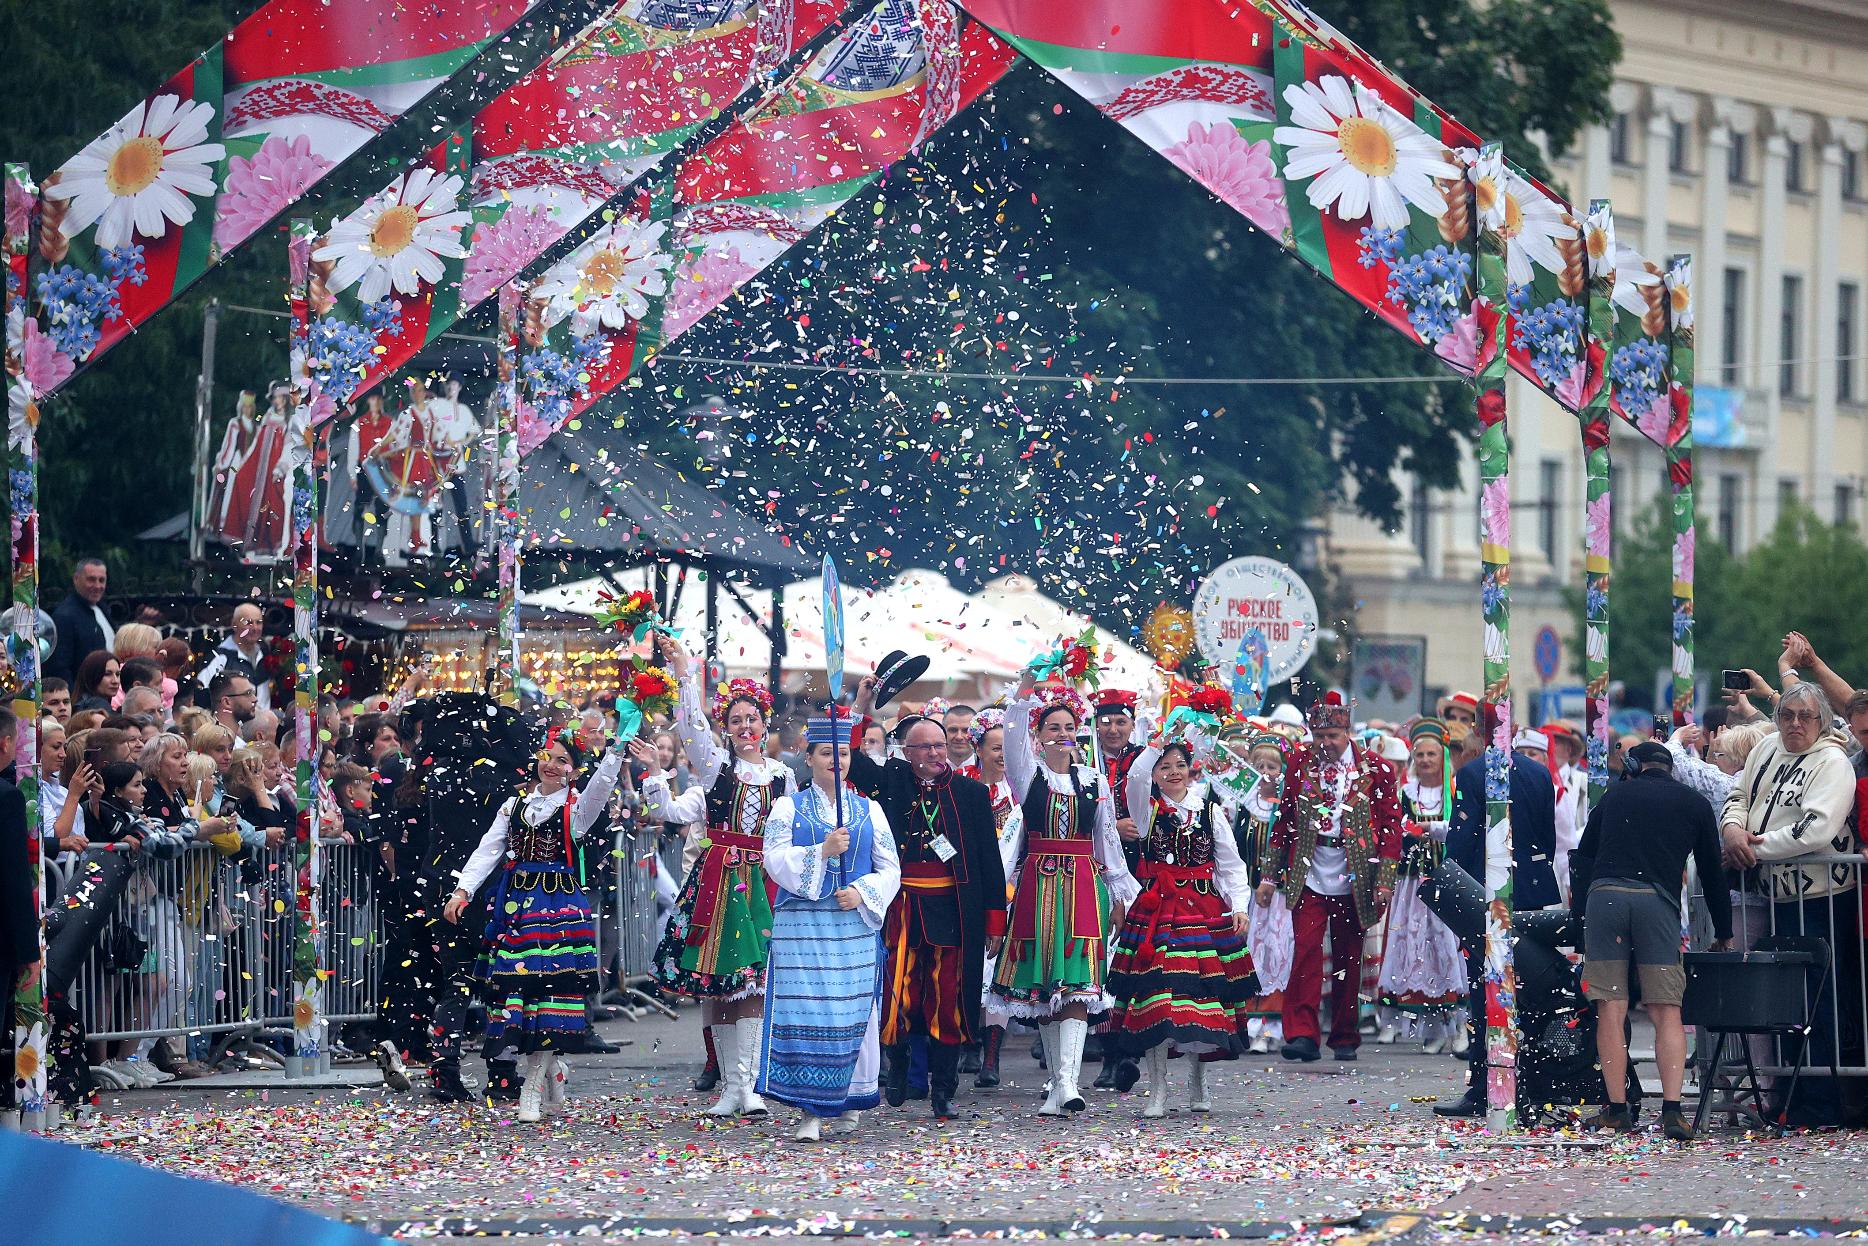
[1169, 634]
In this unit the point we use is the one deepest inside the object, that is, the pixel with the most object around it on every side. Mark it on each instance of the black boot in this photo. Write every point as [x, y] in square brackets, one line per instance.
[503, 1081]
[988, 1078]
[1128, 1072]
[1106, 1076]
[445, 1085]
[895, 1083]
[969, 1058]
[709, 1076]
[943, 1078]
[1037, 1051]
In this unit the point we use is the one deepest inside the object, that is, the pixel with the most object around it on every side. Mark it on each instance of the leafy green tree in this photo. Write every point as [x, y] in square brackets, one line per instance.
[1807, 576]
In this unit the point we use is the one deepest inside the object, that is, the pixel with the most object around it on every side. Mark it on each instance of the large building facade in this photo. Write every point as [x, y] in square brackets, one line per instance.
[1738, 136]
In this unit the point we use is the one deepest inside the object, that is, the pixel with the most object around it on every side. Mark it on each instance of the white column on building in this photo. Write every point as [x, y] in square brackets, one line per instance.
[1665, 107]
[1459, 523]
[1786, 124]
[1822, 339]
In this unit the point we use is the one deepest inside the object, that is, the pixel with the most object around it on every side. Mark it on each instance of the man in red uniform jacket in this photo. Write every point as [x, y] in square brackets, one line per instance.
[1333, 853]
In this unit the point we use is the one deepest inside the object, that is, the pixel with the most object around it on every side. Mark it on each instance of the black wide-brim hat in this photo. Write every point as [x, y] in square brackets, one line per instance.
[895, 672]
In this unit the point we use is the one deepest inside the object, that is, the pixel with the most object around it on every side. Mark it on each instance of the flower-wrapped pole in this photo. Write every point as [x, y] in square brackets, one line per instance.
[1487, 176]
[1679, 287]
[307, 978]
[506, 492]
[26, 366]
[1598, 528]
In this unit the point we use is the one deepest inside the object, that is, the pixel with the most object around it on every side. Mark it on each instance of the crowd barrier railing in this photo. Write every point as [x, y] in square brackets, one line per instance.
[1819, 894]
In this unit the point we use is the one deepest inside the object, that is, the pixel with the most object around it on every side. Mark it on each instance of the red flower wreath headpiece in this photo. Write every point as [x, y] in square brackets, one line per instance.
[740, 690]
[1050, 696]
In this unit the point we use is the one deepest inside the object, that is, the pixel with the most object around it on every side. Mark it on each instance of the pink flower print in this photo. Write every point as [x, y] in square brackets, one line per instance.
[260, 188]
[1598, 532]
[1683, 556]
[45, 366]
[1461, 347]
[1240, 172]
[499, 251]
[1653, 421]
[702, 285]
[533, 431]
[1495, 512]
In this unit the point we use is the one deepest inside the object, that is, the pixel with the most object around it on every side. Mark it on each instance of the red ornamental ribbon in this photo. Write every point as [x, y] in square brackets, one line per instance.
[710, 896]
[519, 172]
[297, 97]
[285, 38]
[940, 43]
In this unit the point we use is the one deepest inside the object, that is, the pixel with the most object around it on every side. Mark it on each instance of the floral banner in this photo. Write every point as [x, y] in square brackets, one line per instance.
[1489, 178]
[1599, 528]
[226, 145]
[746, 198]
[1679, 288]
[26, 351]
[307, 863]
[507, 550]
[544, 157]
[1317, 144]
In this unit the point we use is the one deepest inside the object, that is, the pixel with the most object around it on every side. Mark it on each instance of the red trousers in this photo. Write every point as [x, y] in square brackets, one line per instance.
[1313, 914]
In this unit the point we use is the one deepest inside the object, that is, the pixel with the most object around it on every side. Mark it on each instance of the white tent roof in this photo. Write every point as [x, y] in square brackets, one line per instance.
[982, 639]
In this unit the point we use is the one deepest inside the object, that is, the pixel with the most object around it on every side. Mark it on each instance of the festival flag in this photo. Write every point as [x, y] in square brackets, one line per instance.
[544, 157]
[833, 629]
[227, 145]
[764, 184]
[1678, 286]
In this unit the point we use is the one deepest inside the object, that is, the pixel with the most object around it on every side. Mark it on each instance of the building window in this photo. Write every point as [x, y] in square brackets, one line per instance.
[1845, 504]
[1549, 501]
[1793, 166]
[1851, 173]
[1848, 300]
[1786, 495]
[1677, 135]
[1738, 159]
[1618, 138]
[1730, 485]
[1788, 343]
[1732, 328]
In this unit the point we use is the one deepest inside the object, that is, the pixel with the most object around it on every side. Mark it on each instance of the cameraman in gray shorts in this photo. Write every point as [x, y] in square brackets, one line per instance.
[1638, 839]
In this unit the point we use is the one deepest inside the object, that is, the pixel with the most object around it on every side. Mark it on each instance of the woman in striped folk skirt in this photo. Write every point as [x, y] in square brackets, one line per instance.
[1182, 974]
[540, 957]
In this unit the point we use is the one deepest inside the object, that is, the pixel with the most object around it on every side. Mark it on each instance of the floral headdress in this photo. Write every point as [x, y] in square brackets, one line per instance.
[983, 722]
[740, 690]
[571, 737]
[1053, 696]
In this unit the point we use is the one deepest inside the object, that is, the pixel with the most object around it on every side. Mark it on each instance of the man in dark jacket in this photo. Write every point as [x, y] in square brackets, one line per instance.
[80, 621]
[1636, 844]
[1533, 884]
[952, 900]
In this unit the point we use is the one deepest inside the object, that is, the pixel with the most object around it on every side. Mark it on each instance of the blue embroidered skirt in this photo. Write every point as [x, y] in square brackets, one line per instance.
[823, 979]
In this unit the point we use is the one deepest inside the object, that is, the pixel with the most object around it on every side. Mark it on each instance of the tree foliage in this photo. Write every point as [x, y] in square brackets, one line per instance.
[1807, 576]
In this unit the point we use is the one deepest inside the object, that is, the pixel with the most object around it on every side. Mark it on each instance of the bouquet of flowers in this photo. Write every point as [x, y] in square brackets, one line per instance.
[1074, 661]
[652, 689]
[628, 614]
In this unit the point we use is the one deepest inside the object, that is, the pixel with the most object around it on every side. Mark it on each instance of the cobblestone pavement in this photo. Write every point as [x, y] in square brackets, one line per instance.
[1313, 1146]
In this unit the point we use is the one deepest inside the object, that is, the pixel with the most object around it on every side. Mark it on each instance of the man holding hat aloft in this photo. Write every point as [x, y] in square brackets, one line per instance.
[951, 910]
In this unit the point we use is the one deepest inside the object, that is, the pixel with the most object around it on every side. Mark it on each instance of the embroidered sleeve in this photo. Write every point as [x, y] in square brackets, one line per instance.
[879, 887]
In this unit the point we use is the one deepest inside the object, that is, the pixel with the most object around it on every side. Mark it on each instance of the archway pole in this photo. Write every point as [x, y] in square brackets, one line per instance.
[1599, 511]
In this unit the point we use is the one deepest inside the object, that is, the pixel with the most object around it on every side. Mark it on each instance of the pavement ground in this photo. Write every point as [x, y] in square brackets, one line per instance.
[1323, 1149]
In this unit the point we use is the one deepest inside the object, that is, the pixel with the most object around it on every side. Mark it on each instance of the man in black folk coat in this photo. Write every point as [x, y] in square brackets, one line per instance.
[951, 906]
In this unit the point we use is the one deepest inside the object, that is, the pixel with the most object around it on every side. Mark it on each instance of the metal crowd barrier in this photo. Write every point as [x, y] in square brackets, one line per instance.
[202, 944]
[633, 927]
[1837, 1042]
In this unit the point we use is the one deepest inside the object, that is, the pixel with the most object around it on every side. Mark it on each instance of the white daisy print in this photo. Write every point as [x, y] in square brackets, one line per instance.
[398, 239]
[138, 177]
[1366, 158]
[608, 281]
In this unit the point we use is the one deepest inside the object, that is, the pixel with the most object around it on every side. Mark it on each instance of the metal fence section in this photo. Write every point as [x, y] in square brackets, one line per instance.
[1819, 894]
[634, 923]
[202, 944]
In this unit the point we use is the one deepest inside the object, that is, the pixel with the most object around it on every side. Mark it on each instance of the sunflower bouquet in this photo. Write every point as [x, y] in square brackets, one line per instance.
[652, 688]
[1073, 662]
[633, 614]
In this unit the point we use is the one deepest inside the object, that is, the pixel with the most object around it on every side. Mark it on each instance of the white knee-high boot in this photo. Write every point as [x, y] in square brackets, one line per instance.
[726, 1046]
[554, 1082]
[1197, 1100]
[1049, 1037]
[1157, 1082]
[750, 1032]
[532, 1094]
[1070, 1036]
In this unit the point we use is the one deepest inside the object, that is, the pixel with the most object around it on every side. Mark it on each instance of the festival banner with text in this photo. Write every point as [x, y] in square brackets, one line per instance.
[225, 146]
[899, 73]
